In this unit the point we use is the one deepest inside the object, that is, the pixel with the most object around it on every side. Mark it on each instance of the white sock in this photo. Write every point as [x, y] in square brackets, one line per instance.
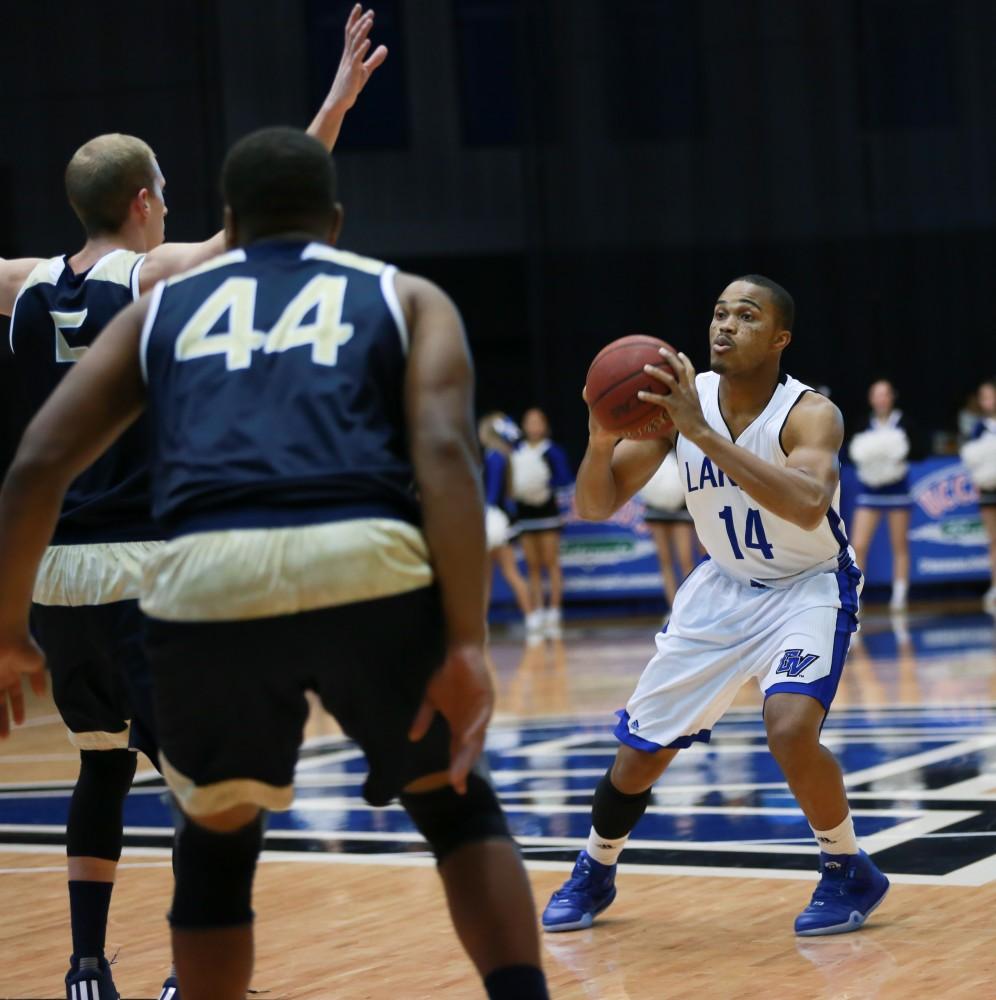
[839, 840]
[900, 591]
[603, 850]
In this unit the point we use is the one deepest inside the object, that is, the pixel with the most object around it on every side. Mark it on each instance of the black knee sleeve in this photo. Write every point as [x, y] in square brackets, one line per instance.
[613, 813]
[448, 820]
[93, 829]
[214, 873]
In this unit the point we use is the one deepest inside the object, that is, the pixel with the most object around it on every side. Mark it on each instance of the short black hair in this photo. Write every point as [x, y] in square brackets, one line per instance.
[784, 302]
[279, 180]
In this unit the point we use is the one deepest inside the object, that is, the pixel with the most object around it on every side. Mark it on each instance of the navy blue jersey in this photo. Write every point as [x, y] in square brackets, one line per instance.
[56, 317]
[276, 391]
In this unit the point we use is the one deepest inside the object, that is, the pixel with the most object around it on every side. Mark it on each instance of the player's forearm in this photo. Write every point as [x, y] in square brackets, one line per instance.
[790, 493]
[595, 491]
[29, 509]
[327, 123]
[453, 523]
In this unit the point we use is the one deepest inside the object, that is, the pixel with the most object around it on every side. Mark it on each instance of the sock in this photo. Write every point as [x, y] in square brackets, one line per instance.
[839, 840]
[604, 850]
[89, 903]
[516, 982]
[613, 816]
[900, 591]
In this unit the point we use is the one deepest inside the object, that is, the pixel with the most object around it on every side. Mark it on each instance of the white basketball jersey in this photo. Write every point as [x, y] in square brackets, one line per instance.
[745, 539]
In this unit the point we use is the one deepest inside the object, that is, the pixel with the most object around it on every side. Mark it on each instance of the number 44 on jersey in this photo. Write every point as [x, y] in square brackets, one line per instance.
[321, 297]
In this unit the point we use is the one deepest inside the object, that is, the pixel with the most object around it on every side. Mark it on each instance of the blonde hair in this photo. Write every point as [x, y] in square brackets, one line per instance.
[104, 175]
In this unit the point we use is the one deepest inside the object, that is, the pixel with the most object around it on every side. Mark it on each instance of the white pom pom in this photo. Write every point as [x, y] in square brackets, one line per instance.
[530, 476]
[980, 458]
[665, 489]
[880, 455]
[496, 527]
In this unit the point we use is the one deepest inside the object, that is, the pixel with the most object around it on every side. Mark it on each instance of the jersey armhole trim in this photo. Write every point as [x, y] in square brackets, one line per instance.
[150, 319]
[787, 415]
[136, 285]
[390, 294]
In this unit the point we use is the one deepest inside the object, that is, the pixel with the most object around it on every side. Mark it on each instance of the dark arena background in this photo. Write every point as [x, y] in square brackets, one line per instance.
[570, 172]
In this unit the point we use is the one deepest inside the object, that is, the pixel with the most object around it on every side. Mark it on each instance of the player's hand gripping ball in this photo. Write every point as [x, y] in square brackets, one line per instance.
[614, 379]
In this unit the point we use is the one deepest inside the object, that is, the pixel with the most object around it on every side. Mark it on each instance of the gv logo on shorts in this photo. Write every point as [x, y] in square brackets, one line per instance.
[795, 661]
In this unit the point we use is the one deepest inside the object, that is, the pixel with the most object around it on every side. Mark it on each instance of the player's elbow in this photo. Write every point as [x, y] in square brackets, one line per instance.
[809, 516]
[442, 453]
[589, 509]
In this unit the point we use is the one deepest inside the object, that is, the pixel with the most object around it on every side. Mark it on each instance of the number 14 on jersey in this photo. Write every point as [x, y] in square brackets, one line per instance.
[754, 537]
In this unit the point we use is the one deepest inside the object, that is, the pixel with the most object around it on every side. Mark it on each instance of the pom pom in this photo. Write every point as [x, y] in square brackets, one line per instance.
[880, 455]
[665, 489]
[496, 527]
[979, 457]
[530, 476]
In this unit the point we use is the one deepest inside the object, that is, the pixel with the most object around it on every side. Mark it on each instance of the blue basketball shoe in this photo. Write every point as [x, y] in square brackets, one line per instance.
[589, 891]
[850, 888]
[90, 979]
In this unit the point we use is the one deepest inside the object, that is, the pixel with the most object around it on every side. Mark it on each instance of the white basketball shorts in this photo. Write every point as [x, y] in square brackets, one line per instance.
[723, 632]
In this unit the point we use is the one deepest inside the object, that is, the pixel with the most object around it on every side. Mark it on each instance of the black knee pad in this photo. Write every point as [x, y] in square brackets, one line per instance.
[93, 829]
[214, 873]
[448, 820]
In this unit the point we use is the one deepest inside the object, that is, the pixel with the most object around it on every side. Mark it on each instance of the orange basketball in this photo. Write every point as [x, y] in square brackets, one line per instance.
[616, 376]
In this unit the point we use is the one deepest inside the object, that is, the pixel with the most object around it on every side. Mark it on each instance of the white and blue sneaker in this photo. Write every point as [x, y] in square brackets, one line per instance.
[849, 890]
[589, 891]
[90, 979]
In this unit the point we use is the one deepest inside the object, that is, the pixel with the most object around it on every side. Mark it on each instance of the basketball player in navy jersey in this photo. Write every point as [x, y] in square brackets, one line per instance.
[776, 601]
[316, 470]
[85, 612]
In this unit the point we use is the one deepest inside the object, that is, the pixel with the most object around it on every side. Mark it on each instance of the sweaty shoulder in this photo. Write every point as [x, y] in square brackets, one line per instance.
[813, 422]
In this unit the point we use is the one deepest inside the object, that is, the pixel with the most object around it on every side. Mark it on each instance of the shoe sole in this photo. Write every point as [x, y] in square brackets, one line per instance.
[584, 923]
[851, 924]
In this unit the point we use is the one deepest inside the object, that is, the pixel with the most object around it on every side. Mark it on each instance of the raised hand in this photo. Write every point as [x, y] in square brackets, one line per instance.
[681, 401]
[355, 66]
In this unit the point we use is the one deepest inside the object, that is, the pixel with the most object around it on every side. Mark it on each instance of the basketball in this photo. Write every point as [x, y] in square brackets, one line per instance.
[614, 379]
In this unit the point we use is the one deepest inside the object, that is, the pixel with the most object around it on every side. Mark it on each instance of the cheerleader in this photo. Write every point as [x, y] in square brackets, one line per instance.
[539, 469]
[670, 524]
[979, 457]
[498, 434]
[880, 454]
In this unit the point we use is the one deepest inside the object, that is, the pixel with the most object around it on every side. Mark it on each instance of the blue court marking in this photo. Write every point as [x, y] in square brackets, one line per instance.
[724, 797]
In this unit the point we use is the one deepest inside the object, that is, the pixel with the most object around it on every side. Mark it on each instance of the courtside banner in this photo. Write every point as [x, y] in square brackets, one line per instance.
[947, 540]
[616, 560]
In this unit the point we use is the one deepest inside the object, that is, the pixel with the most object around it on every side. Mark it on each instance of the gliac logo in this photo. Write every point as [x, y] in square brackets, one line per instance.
[794, 661]
[945, 490]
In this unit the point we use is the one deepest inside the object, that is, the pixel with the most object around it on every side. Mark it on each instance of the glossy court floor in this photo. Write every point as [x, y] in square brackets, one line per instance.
[348, 905]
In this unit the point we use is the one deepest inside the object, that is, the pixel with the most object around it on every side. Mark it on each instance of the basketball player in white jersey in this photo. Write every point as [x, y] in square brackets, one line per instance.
[776, 600]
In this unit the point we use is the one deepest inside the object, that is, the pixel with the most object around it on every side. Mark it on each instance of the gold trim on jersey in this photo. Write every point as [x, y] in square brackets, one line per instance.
[245, 573]
[81, 575]
[344, 258]
[203, 800]
[116, 266]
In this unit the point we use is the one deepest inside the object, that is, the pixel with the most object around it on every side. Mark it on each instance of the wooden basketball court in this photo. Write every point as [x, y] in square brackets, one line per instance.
[349, 907]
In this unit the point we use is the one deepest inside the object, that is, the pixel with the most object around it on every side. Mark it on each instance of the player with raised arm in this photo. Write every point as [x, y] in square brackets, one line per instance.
[295, 393]
[85, 613]
[776, 600]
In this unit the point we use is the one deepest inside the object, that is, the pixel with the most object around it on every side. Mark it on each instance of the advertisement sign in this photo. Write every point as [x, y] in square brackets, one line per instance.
[616, 560]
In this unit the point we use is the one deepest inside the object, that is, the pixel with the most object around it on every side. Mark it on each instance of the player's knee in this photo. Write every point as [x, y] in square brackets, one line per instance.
[448, 821]
[634, 771]
[214, 875]
[789, 739]
[93, 829]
